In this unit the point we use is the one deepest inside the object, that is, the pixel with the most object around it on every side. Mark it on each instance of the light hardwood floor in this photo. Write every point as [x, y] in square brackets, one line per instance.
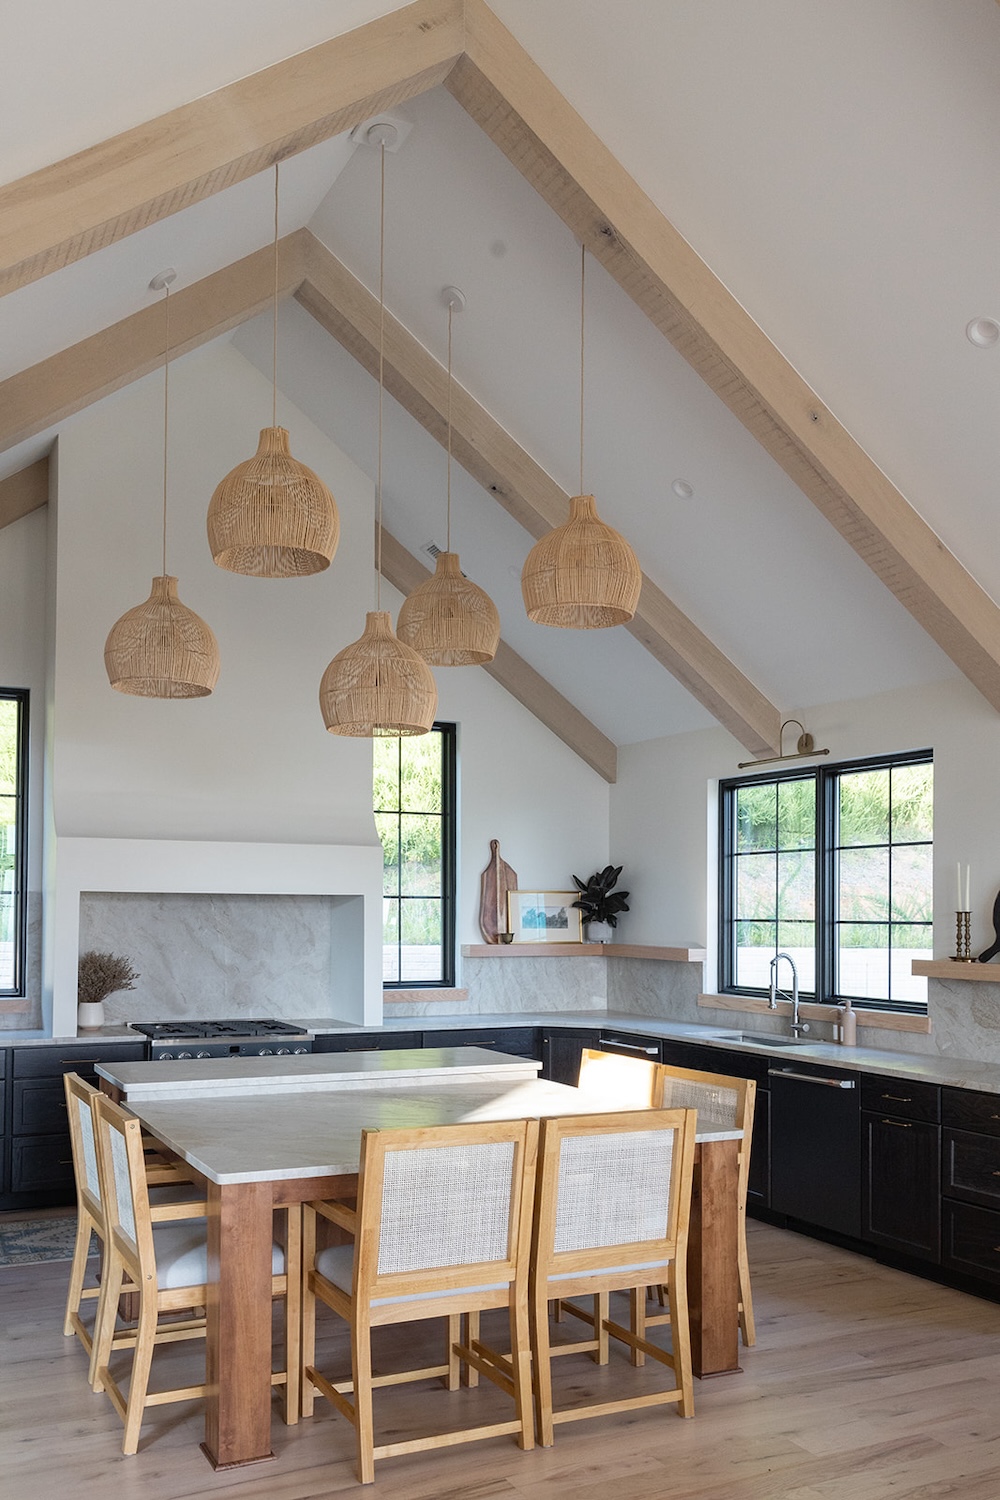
[865, 1384]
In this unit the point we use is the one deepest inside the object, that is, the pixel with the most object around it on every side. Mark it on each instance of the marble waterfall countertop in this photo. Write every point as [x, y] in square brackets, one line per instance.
[312, 1072]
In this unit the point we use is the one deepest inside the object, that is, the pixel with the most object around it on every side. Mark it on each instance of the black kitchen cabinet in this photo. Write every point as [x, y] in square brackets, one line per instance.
[517, 1041]
[40, 1161]
[561, 1052]
[4, 1133]
[629, 1044]
[368, 1041]
[901, 1166]
[816, 1146]
[970, 1161]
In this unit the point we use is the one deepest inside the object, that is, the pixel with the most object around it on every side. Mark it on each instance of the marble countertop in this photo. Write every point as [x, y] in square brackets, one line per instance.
[268, 1137]
[226, 1077]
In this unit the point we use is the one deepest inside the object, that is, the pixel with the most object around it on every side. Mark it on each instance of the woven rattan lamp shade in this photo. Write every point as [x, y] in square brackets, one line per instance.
[272, 517]
[378, 686]
[449, 619]
[162, 649]
[583, 575]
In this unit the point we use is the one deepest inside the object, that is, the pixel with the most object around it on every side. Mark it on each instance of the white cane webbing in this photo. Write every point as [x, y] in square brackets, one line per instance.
[86, 1119]
[445, 1206]
[613, 1189]
[123, 1184]
[715, 1105]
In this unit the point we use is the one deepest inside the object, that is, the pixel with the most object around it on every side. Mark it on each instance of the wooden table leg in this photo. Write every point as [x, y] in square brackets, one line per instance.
[238, 1355]
[713, 1246]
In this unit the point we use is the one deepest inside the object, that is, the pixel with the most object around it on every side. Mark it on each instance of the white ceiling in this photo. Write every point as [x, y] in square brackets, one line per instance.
[835, 165]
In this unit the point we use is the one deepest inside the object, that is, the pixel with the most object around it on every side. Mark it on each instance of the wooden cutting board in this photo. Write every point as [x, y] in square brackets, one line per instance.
[497, 879]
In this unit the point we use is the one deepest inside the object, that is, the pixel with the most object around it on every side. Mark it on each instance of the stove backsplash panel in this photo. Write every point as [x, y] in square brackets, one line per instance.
[210, 957]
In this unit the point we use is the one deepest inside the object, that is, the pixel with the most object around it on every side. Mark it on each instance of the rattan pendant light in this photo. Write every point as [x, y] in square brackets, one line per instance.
[449, 619]
[378, 685]
[583, 575]
[272, 517]
[162, 649]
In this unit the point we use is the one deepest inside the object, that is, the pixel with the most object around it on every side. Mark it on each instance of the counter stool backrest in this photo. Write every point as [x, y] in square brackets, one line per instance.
[445, 1206]
[628, 1082]
[79, 1094]
[717, 1099]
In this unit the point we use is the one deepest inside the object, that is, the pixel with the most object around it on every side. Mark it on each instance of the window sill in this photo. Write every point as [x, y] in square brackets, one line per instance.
[887, 1020]
[409, 997]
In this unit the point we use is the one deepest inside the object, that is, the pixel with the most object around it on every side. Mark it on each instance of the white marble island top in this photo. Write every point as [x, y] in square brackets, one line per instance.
[310, 1072]
[275, 1137]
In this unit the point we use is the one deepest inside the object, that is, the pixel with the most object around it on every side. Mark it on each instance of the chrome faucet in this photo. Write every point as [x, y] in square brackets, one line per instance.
[797, 1026]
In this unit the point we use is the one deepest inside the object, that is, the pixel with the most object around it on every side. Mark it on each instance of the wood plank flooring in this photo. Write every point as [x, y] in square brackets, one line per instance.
[865, 1384]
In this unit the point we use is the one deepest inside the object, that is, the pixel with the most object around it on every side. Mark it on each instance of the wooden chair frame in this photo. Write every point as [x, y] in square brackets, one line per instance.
[130, 1266]
[746, 1093]
[588, 1272]
[455, 1290]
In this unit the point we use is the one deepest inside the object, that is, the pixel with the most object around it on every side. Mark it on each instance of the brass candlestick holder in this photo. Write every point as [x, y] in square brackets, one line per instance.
[963, 938]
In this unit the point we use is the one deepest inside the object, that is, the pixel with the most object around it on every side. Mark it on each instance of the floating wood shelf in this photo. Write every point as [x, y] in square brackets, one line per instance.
[583, 950]
[946, 968]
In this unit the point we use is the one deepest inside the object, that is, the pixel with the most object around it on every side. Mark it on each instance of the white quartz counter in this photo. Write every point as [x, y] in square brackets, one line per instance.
[228, 1077]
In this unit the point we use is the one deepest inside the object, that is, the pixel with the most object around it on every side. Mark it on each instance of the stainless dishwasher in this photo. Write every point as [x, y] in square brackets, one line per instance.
[816, 1146]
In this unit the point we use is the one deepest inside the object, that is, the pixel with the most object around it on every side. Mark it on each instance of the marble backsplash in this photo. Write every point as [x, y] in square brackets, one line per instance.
[505, 986]
[215, 956]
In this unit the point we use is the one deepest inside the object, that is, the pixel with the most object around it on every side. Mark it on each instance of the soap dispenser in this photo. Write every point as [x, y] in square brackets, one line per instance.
[847, 1029]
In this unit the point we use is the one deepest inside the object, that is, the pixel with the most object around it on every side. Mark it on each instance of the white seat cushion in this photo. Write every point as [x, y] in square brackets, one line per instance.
[182, 1255]
[336, 1264]
[644, 1265]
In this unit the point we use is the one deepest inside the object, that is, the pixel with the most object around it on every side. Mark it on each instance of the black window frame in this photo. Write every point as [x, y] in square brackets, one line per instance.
[19, 925]
[449, 845]
[826, 779]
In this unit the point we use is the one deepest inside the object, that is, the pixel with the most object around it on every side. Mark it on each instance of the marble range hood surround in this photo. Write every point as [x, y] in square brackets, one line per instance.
[219, 928]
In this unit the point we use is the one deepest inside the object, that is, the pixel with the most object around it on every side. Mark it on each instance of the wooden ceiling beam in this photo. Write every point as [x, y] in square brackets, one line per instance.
[405, 572]
[517, 106]
[347, 310]
[23, 492]
[70, 209]
[54, 389]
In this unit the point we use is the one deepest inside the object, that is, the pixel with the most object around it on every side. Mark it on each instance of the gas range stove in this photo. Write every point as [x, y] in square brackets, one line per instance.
[240, 1037]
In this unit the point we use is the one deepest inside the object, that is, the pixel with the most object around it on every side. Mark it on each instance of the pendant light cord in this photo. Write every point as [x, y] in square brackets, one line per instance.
[451, 309]
[274, 314]
[583, 278]
[166, 410]
[381, 383]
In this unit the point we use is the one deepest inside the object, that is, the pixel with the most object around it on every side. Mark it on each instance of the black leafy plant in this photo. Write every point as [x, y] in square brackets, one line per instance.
[103, 974]
[599, 901]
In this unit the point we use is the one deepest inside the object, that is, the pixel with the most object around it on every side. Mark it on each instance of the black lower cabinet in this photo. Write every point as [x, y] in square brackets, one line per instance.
[971, 1241]
[516, 1041]
[901, 1172]
[561, 1052]
[368, 1041]
[759, 1175]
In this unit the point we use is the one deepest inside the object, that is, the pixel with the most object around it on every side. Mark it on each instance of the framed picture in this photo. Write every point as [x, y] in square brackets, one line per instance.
[544, 917]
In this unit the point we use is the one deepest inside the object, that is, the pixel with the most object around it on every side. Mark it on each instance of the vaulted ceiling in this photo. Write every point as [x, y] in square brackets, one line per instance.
[830, 170]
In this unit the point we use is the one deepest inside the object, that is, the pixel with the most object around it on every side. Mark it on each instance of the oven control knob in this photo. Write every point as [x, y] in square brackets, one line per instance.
[203, 1054]
[184, 1054]
[283, 1052]
[265, 1052]
[164, 1057]
[298, 1050]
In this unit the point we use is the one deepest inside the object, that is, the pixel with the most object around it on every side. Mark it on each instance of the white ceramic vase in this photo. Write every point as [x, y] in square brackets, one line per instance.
[90, 1014]
[598, 932]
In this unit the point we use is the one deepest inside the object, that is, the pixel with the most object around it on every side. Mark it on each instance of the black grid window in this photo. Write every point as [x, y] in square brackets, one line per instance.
[833, 865]
[414, 796]
[13, 838]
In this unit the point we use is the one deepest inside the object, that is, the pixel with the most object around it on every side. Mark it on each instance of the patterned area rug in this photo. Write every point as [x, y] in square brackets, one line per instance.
[24, 1241]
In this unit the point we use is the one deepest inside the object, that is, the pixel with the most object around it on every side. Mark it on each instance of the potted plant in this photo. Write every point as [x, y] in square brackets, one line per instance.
[98, 976]
[599, 901]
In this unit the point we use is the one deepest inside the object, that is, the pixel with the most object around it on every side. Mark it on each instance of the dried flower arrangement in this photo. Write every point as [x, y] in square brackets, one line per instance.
[103, 974]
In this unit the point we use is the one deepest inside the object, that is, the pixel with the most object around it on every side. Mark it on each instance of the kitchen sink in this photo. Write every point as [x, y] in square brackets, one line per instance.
[768, 1039]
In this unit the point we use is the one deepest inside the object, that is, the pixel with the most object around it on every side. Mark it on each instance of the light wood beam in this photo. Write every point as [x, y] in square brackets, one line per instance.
[68, 210]
[54, 389]
[23, 492]
[346, 309]
[513, 101]
[405, 572]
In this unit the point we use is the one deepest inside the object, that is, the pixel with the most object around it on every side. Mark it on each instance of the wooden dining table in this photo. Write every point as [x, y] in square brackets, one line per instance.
[260, 1152]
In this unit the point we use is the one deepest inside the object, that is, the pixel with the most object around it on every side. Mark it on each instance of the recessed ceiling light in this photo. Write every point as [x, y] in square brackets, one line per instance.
[983, 332]
[682, 489]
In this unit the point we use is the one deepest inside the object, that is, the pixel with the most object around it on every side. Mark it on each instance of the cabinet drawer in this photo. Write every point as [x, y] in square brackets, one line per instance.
[42, 1164]
[717, 1060]
[901, 1097]
[39, 1107]
[971, 1240]
[972, 1167]
[53, 1062]
[518, 1041]
[964, 1109]
[3, 1108]
[630, 1044]
[369, 1041]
